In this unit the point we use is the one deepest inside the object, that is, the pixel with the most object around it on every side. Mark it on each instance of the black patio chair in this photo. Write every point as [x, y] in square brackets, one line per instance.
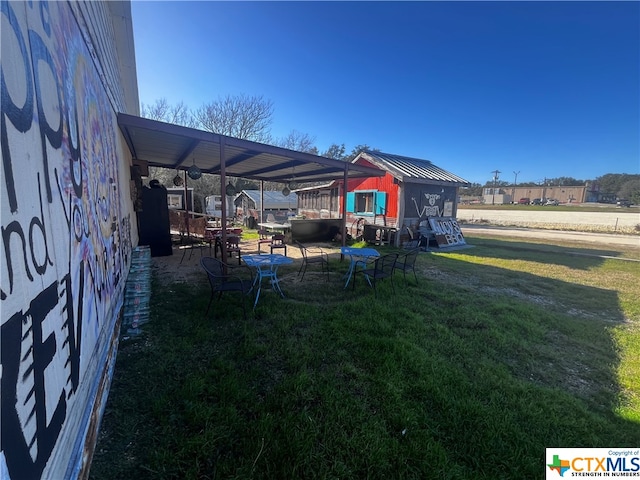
[407, 262]
[380, 269]
[278, 243]
[227, 278]
[312, 256]
[414, 240]
[263, 238]
[233, 247]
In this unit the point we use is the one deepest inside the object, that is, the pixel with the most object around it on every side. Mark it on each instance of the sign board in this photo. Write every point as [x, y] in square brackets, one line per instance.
[446, 231]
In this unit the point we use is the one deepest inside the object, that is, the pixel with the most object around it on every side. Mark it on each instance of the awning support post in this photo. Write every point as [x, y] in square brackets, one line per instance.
[343, 233]
[223, 198]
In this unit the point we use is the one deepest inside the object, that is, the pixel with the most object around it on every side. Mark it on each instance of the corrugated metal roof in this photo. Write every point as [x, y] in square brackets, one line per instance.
[174, 146]
[408, 168]
[272, 199]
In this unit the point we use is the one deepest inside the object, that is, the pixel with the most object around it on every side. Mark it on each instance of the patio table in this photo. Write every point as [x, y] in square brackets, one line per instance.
[357, 256]
[266, 266]
[273, 226]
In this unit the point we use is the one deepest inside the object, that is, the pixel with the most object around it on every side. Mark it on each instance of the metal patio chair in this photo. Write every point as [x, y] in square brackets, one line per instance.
[198, 237]
[312, 256]
[380, 269]
[407, 262]
[278, 243]
[226, 278]
[264, 238]
[233, 247]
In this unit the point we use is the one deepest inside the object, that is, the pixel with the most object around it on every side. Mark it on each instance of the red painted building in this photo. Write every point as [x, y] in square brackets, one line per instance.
[411, 191]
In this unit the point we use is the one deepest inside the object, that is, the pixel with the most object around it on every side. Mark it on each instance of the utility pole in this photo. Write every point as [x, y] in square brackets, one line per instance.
[515, 180]
[515, 184]
[495, 180]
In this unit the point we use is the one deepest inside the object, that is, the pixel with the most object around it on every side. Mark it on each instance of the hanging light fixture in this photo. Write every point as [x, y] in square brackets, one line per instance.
[286, 191]
[292, 183]
[177, 180]
[230, 190]
[194, 172]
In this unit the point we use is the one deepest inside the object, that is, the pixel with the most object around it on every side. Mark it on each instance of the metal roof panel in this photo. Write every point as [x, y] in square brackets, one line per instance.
[408, 167]
[174, 146]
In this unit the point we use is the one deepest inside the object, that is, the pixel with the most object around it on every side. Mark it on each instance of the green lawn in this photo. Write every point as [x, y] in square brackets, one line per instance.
[497, 352]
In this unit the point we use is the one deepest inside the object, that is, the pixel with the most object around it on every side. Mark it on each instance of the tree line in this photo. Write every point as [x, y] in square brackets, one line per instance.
[240, 116]
[250, 118]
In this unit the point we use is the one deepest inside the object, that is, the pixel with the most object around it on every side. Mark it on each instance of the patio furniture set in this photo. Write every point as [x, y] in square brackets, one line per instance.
[248, 278]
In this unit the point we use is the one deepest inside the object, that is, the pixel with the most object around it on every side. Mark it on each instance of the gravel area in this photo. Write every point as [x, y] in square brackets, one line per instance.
[583, 237]
[624, 221]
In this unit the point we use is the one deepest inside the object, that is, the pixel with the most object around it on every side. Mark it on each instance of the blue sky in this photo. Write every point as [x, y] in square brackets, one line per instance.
[546, 89]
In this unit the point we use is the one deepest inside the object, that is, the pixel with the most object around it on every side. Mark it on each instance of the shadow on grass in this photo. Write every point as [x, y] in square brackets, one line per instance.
[573, 257]
[450, 377]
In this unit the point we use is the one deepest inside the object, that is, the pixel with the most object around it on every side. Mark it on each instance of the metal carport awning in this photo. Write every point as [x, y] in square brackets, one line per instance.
[173, 146]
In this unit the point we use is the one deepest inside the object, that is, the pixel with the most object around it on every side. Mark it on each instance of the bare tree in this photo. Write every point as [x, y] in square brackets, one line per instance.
[162, 111]
[241, 116]
[298, 141]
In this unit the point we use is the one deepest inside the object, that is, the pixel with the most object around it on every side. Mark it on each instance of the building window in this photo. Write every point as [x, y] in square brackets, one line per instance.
[364, 202]
[369, 202]
[324, 200]
[174, 201]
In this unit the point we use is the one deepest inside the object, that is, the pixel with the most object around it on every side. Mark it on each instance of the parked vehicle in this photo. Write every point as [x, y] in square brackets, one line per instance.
[623, 203]
[214, 205]
[524, 201]
[552, 202]
[536, 201]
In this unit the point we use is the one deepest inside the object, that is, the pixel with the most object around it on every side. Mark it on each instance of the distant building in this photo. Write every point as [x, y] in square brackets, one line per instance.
[568, 194]
[280, 207]
[496, 196]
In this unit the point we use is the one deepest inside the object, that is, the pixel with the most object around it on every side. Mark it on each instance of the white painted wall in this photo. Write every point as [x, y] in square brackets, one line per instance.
[67, 227]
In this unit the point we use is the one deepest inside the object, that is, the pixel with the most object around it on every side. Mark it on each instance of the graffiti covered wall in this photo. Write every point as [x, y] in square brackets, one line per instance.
[431, 210]
[67, 230]
[423, 201]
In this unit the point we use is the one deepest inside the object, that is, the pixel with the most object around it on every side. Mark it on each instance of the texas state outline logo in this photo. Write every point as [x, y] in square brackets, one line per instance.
[592, 462]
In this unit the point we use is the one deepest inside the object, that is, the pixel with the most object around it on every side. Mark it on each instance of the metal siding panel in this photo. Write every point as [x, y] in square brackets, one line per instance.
[386, 183]
[392, 201]
[368, 184]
